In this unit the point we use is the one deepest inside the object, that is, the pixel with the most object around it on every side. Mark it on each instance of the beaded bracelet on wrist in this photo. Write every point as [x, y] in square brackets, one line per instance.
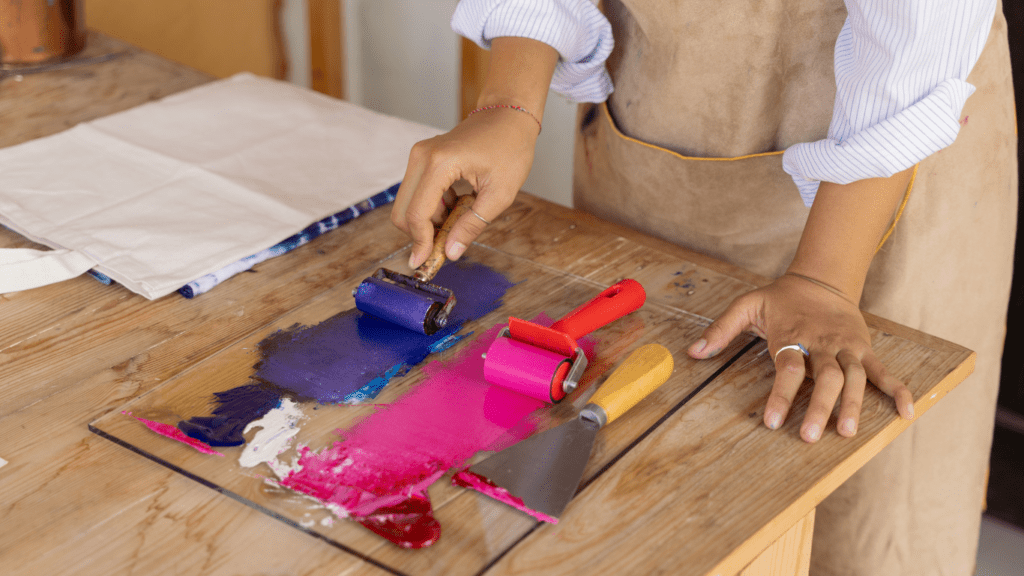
[510, 107]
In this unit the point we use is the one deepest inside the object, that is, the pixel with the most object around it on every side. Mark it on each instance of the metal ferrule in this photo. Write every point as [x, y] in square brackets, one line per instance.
[594, 413]
[579, 364]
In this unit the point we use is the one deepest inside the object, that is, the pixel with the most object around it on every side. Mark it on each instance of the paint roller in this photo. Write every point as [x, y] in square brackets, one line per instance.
[546, 362]
[413, 302]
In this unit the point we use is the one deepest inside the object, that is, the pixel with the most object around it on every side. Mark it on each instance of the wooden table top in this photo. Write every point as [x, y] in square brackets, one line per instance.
[688, 482]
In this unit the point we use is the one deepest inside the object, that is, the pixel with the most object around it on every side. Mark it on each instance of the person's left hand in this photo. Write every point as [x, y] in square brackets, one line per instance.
[793, 310]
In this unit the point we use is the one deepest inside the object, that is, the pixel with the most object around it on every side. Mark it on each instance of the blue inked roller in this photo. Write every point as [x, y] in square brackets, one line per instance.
[419, 306]
[412, 302]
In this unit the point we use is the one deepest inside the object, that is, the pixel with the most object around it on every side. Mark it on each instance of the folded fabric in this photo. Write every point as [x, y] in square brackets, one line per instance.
[204, 284]
[24, 268]
[165, 194]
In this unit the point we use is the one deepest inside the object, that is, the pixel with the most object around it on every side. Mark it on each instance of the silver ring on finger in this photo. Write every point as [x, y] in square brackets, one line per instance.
[799, 347]
[482, 219]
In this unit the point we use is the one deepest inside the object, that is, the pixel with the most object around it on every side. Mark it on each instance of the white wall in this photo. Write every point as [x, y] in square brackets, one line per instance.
[295, 25]
[402, 59]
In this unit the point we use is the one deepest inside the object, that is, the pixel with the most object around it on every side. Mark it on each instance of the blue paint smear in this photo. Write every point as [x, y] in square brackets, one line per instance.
[370, 391]
[236, 408]
[351, 356]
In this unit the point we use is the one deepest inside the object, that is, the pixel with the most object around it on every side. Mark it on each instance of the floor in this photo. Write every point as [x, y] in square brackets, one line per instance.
[1001, 549]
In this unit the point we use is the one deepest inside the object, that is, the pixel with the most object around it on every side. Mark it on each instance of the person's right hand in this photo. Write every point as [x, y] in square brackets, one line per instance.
[492, 150]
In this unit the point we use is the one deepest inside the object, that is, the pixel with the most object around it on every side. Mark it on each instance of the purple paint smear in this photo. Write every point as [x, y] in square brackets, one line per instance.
[351, 356]
[397, 452]
[235, 409]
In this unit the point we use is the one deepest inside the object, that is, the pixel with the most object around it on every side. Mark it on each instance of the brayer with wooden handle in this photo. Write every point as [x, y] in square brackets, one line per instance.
[412, 301]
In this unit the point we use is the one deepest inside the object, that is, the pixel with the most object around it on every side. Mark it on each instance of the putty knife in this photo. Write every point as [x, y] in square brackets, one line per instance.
[544, 470]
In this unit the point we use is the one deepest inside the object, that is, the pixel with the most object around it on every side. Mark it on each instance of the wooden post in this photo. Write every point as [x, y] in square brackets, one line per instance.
[790, 555]
[326, 34]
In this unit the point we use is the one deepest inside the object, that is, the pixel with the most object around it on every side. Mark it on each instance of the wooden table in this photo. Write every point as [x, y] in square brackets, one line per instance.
[689, 482]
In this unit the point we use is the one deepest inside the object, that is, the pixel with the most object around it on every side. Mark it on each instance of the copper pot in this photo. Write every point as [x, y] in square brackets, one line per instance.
[37, 31]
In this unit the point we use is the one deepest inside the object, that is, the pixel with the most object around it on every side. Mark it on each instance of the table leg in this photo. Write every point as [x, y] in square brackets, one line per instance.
[790, 555]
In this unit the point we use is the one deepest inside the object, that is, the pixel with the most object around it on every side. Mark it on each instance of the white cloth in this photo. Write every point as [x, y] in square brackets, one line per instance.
[901, 69]
[169, 191]
[24, 268]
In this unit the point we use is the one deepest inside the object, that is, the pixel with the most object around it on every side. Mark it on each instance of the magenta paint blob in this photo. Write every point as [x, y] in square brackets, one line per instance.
[467, 479]
[175, 434]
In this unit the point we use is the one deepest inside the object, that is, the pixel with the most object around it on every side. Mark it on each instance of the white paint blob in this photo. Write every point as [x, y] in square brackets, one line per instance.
[277, 429]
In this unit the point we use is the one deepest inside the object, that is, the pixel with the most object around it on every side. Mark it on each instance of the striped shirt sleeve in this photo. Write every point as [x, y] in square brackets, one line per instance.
[901, 68]
[575, 28]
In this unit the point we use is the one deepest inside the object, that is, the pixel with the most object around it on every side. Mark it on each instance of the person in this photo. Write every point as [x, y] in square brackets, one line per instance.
[861, 154]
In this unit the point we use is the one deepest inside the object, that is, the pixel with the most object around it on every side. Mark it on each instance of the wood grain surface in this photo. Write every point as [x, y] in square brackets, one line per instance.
[681, 485]
[42, 104]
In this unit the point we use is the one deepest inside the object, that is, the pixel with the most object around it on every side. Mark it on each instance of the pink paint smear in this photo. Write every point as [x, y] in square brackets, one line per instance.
[397, 452]
[173, 433]
[386, 462]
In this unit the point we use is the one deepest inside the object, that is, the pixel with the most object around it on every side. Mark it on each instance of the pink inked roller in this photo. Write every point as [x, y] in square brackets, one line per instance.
[547, 363]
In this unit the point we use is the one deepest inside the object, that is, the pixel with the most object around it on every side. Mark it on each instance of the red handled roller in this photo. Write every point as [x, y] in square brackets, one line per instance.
[547, 363]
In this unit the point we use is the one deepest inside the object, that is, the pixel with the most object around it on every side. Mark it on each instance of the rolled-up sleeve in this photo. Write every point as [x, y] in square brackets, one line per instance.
[575, 28]
[901, 68]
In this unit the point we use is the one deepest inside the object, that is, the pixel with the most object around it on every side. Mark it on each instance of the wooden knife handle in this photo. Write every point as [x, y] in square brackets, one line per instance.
[640, 374]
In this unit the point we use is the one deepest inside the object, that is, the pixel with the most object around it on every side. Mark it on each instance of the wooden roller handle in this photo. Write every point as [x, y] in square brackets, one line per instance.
[427, 270]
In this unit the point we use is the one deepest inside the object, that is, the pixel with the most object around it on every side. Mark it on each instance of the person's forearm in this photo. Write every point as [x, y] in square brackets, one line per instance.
[843, 230]
[519, 74]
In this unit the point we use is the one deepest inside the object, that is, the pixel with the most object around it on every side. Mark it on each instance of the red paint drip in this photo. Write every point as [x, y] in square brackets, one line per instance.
[175, 434]
[473, 481]
[409, 524]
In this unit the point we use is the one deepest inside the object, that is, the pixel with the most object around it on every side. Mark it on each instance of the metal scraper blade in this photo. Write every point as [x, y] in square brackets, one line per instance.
[545, 469]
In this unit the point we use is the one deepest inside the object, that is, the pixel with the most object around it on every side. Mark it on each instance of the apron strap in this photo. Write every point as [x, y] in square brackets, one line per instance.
[899, 211]
[24, 268]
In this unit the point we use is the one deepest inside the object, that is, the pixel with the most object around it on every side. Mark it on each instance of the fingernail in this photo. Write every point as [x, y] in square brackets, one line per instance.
[910, 411]
[773, 420]
[698, 346]
[455, 250]
[412, 261]
[812, 432]
[848, 426]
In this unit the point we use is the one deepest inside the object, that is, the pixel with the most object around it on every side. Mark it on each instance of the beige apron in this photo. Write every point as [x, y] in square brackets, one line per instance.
[688, 148]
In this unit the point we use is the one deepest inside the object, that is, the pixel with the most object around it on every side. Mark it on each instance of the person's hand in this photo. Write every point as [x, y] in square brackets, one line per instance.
[794, 310]
[492, 150]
